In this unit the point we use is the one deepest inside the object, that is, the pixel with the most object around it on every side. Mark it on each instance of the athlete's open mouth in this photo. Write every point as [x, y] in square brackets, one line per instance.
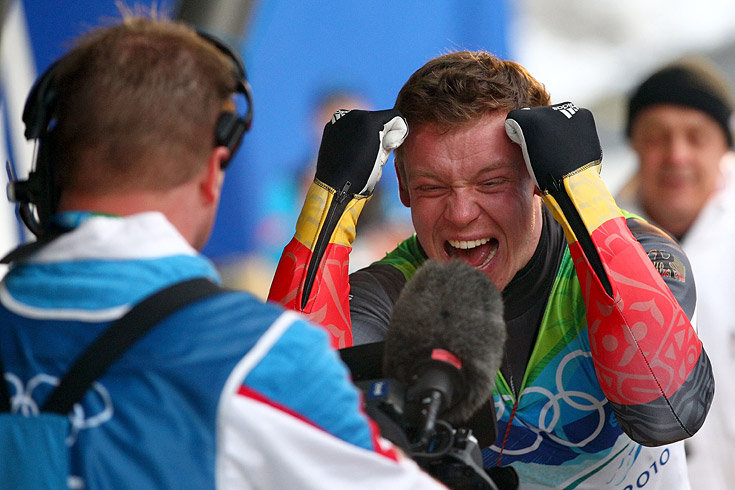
[477, 253]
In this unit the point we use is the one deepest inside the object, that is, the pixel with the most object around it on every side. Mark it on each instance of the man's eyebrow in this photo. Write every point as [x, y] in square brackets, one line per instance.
[423, 173]
[493, 167]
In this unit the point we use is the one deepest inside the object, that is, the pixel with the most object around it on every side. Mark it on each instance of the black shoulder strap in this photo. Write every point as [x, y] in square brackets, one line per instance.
[123, 333]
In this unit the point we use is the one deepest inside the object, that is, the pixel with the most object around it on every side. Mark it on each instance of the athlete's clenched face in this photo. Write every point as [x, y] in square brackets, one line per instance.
[471, 196]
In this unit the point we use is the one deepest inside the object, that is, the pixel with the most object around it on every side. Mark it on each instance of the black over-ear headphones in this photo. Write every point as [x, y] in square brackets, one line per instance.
[40, 192]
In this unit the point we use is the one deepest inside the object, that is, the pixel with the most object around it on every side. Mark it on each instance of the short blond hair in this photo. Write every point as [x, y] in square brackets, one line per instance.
[137, 105]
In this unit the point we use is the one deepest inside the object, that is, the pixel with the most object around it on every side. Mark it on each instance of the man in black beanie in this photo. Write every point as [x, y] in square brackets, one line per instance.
[678, 126]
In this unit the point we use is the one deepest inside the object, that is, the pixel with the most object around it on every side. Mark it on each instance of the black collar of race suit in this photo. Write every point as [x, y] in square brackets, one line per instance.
[525, 299]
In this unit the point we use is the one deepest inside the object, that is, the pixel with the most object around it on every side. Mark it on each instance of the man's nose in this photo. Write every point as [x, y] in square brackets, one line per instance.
[461, 206]
[679, 150]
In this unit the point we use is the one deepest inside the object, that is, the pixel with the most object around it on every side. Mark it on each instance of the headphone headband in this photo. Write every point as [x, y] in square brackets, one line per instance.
[242, 87]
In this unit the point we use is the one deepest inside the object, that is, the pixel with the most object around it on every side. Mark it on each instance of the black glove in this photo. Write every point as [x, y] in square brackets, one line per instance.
[556, 140]
[355, 146]
[559, 144]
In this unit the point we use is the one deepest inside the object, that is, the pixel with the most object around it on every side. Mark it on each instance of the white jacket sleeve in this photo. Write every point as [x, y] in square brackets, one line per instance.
[290, 418]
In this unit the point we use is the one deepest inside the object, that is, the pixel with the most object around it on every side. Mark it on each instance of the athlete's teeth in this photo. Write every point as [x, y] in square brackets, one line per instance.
[488, 259]
[467, 244]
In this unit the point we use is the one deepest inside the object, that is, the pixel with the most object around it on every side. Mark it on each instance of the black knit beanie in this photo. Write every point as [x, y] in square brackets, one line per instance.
[693, 83]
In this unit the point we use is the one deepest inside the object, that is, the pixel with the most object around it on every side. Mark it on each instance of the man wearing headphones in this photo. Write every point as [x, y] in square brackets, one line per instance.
[135, 128]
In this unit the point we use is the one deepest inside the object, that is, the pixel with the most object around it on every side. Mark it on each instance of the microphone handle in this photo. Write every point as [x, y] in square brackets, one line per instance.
[431, 404]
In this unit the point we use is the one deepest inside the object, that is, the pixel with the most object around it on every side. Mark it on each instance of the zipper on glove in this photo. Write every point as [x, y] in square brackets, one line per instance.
[336, 208]
[580, 231]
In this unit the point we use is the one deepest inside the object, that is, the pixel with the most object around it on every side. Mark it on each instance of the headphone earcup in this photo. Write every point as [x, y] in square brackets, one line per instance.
[229, 131]
[38, 195]
[40, 105]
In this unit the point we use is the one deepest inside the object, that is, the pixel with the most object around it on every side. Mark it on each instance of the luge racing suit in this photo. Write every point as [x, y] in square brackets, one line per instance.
[603, 369]
[555, 426]
[556, 422]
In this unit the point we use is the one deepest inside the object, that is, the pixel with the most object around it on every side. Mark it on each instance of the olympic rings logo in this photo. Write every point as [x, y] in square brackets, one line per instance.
[22, 402]
[546, 424]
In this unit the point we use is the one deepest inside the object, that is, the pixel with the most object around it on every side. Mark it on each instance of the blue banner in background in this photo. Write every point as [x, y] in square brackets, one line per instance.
[293, 52]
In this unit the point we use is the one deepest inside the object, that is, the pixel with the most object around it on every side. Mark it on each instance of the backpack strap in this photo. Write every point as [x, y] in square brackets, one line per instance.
[114, 341]
[122, 334]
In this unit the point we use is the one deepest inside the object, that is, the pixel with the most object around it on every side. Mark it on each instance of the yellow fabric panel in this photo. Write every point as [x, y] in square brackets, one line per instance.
[590, 196]
[315, 211]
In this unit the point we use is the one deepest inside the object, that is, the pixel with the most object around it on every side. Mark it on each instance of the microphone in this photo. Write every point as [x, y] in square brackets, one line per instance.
[445, 341]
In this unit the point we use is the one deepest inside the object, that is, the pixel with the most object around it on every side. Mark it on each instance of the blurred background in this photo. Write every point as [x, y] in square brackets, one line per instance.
[304, 59]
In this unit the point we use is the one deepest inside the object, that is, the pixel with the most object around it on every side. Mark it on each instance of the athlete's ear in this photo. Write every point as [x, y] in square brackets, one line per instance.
[402, 189]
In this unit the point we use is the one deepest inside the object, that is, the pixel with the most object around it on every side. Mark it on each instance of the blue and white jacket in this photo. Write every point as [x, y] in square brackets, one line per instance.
[228, 392]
